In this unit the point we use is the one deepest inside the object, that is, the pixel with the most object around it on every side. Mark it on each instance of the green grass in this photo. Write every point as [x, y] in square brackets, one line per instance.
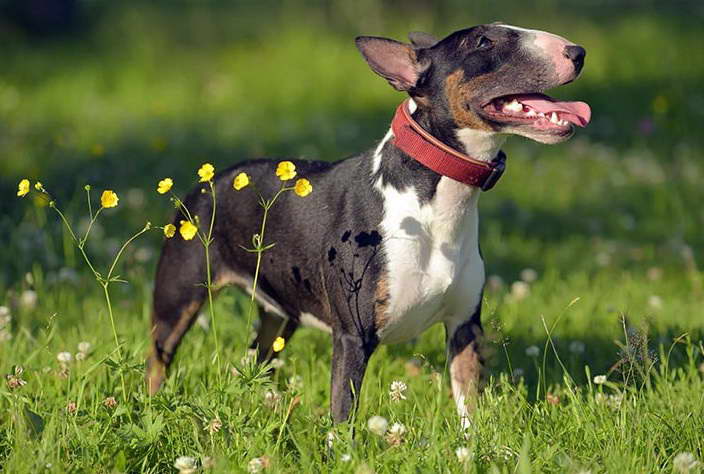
[610, 222]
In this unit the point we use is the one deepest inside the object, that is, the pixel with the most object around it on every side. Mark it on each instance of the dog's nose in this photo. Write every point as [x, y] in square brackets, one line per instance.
[576, 55]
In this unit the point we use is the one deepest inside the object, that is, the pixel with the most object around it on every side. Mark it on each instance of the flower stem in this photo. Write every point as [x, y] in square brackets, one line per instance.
[211, 308]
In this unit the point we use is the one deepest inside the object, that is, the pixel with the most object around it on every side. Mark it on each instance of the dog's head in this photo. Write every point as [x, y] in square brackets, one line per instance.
[489, 77]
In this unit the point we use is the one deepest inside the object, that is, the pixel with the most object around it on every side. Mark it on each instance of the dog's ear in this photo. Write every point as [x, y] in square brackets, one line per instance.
[422, 40]
[396, 62]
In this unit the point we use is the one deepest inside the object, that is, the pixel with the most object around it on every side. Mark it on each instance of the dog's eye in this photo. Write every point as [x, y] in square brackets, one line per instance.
[484, 43]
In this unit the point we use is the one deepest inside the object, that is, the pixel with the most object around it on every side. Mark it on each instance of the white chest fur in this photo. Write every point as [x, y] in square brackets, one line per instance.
[434, 269]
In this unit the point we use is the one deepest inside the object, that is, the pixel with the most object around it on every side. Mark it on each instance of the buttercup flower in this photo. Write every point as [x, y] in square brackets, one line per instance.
[164, 185]
[286, 170]
[23, 188]
[39, 186]
[169, 230]
[279, 344]
[241, 181]
[206, 172]
[303, 187]
[109, 198]
[187, 230]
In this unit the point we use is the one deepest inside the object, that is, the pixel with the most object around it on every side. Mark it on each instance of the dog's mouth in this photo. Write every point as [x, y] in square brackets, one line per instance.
[539, 112]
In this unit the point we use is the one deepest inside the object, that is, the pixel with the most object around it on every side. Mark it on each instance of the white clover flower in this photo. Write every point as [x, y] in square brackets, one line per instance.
[5, 316]
[519, 290]
[203, 321]
[346, 457]
[85, 347]
[577, 347]
[257, 464]
[685, 462]
[28, 299]
[185, 464]
[517, 373]
[330, 439]
[529, 275]
[655, 302]
[272, 398]
[249, 357]
[600, 379]
[377, 425]
[80, 356]
[214, 425]
[396, 433]
[396, 390]
[295, 383]
[463, 454]
[64, 357]
[277, 363]
[494, 283]
[533, 351]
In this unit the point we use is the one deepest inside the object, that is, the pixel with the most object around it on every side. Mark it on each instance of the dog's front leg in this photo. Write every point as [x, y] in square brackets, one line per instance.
[465, 364]
[350, 355]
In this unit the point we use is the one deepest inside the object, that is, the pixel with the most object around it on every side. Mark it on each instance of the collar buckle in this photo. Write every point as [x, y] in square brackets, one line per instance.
[498, 166]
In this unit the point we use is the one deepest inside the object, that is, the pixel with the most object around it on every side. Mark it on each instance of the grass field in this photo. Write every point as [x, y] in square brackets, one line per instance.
[594, 247]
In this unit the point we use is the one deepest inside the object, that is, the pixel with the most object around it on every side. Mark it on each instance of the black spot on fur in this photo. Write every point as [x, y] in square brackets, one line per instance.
[365, 239]
[296, 274]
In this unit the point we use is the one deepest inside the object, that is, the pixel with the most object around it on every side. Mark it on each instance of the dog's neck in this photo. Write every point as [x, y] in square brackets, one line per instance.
[479, 144]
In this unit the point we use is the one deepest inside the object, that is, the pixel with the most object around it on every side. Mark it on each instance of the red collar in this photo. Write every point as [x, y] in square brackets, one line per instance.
[413, 140]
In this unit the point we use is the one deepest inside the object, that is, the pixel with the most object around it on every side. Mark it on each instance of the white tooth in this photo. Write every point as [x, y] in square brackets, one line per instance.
[554, 119]
[531, 113]
[540, 114]
[563, 122]
[514, 106]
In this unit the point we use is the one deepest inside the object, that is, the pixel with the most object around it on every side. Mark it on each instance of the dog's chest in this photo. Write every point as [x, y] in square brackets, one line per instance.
[433, 268]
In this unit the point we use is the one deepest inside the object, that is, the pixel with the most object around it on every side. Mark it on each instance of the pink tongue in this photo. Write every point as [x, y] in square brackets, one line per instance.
[578, 113]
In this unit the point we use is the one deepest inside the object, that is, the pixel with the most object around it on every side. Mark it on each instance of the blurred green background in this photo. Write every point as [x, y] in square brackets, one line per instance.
[121, 94]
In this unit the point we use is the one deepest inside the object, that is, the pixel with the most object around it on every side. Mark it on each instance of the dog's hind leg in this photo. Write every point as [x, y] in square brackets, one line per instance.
[271, 327]
[178, 295]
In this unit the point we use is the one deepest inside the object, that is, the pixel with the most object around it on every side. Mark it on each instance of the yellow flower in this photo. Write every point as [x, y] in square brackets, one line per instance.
[286, 170]
[206, 172]
[109, 198]
[164, 185]
[303, 187]
[169, 230]
[241, 181]
[188, 230]
[279, 344]
[23, 188]
[39, 186]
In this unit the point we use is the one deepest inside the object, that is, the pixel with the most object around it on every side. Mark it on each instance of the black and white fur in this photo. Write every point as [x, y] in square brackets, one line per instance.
[383, 247]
